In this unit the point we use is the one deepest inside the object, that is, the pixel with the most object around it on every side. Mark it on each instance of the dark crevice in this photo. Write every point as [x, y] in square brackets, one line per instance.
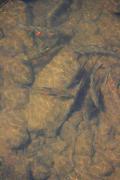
[24, 144]
[2, 34]
[30, 173]
[3, 2]
[60, 13]
[38, 133]
[98, 53]
[101, 101]
[78, 102]
[91, 110]
[76, 80]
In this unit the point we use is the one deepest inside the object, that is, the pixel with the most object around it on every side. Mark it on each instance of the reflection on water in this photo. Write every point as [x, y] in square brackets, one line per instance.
[59, 90]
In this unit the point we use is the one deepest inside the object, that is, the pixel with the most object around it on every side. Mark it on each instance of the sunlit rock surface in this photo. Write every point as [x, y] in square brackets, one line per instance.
[60, 90]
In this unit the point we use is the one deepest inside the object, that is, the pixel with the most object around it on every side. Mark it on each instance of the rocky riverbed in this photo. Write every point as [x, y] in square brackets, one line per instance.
[60, 90]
